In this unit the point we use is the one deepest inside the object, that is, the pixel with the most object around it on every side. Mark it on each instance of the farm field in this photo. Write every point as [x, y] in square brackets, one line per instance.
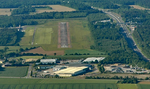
[127, 86]
[5, 11]
[144, 86]
[55, 8]
[58, 86]
[13, 71]
[6, 83]
[58, 8]
[139, 7]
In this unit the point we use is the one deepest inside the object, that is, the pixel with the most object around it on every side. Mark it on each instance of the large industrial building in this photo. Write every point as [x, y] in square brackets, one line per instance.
[93, 59]
[47, 61]
[71, 71]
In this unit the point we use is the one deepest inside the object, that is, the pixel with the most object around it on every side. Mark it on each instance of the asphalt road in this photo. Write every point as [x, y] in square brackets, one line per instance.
[63, 35]
[127, 35]
[29, 71]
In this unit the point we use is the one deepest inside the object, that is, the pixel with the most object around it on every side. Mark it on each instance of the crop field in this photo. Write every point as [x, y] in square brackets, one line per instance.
[139, 7]
[14, 71]
[6, 83]
[43, 35]
[58, 86]
[55, 8]
[143, 86]
[6, 11]
[127, 86]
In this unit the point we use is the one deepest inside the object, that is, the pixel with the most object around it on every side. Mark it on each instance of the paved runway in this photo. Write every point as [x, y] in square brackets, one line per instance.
[63, 35]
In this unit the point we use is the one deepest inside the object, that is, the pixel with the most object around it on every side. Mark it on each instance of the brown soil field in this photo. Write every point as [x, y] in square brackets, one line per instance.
[5, 11]
[41, 51]
[144, 82]
[139, 7]
[57, 8]
[30, 60]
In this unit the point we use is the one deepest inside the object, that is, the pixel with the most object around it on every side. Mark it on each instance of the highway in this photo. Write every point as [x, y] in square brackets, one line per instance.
[127, 35]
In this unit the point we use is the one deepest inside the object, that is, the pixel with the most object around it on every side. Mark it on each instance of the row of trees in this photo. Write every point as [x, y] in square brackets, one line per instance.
[132, 79]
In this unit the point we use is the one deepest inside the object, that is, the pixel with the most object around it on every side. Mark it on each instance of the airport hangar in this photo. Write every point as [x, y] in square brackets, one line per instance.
[71, 71]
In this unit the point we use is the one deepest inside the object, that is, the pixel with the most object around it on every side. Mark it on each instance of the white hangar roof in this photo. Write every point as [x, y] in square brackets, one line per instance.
[90, 59]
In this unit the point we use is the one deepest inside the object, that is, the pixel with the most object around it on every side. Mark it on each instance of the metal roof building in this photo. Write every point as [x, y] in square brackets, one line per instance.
[46, 61]
[71, 71]
[90, 59]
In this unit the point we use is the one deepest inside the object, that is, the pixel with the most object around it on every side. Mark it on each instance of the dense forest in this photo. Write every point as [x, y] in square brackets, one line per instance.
[8, 37]
[141, 20]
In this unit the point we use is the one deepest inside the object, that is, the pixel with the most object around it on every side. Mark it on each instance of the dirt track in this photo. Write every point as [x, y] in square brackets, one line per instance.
[41, 51]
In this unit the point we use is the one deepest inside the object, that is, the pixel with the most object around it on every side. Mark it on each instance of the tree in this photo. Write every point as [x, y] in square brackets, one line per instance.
[101, 69]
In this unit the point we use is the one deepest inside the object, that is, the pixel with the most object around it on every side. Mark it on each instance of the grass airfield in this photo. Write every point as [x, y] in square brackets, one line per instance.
[46, 34]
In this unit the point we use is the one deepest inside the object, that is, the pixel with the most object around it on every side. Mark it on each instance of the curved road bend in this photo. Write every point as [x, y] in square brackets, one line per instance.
[127, 35]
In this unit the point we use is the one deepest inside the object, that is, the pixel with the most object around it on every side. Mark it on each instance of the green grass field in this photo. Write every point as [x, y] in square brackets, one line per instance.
[29, 57]
[6, 83]
[27, 39]
[84, 51]
[14, 71]
[143, 86]
[127, 86]
[43, 35]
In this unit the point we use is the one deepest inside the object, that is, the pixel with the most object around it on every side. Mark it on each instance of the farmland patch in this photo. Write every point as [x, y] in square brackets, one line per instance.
[55, 8]
[127, 86]
[144, 86]
[14, 72]
[139, 7]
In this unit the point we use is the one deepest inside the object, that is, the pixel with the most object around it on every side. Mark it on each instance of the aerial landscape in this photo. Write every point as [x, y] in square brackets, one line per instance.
[74, 44]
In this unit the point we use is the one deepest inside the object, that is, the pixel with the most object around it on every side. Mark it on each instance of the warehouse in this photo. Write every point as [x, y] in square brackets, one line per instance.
[71, 71]
[47, 61]
[93, 59]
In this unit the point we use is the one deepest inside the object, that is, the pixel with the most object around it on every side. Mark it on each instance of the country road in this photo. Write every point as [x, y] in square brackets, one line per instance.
[127, 35]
